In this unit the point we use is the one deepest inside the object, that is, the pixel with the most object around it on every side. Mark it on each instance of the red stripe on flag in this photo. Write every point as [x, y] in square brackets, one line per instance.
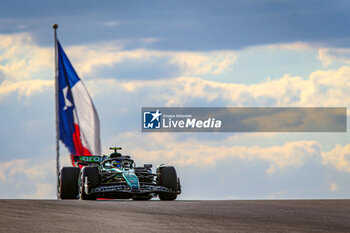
[79, 148]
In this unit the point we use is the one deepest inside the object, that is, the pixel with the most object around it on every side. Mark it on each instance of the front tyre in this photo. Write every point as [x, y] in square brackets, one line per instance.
[69, 188]
[168, 179]
[89, 179]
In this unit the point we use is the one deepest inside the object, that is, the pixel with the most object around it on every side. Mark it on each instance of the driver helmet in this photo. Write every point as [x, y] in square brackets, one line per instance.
[116, 164]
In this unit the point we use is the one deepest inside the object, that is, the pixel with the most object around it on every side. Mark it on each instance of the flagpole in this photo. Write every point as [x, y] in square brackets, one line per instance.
[55, 26]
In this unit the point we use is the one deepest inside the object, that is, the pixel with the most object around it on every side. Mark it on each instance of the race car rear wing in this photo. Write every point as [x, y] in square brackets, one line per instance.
[86, 160]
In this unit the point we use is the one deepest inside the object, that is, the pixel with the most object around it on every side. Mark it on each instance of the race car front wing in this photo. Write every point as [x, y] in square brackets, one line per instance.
[126, 189]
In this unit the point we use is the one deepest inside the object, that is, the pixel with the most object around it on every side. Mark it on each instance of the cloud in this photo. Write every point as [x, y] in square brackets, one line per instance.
[87, 58]
[204, 63]
[327, 88]
[296, 46]
[339, 157]
[24, 88]
[329, 56]
[26, 67]
[333, 187]
[22, 59]
[207, 154]
[28, 178]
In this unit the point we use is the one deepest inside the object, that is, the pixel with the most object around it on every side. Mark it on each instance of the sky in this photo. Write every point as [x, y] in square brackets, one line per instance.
[134, 54]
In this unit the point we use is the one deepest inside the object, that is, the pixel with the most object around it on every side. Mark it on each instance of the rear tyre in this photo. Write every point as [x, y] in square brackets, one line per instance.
[69, 188]
[89, 176]
[168, 179]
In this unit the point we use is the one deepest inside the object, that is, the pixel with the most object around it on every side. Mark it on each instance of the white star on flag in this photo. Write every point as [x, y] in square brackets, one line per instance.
[66, 100]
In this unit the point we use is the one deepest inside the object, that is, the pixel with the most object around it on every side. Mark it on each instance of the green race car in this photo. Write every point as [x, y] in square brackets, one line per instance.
[117, 177]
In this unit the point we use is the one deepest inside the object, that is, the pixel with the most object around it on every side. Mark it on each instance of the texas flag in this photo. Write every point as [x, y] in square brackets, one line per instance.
[79, 127]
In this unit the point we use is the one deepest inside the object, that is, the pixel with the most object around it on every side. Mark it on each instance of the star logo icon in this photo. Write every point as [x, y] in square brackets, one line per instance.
[156, 115]
[152, 119]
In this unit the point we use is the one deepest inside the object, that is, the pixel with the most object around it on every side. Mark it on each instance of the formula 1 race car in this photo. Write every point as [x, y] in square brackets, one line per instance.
[117, 177]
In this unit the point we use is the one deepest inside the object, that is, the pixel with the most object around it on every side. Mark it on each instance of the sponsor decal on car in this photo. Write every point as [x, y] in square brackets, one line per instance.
[115, 188]
[154, 188]
[111, 188]
[93, 159]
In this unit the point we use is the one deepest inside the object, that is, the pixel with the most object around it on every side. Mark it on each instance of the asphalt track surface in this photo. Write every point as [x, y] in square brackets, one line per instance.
[176, 216]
